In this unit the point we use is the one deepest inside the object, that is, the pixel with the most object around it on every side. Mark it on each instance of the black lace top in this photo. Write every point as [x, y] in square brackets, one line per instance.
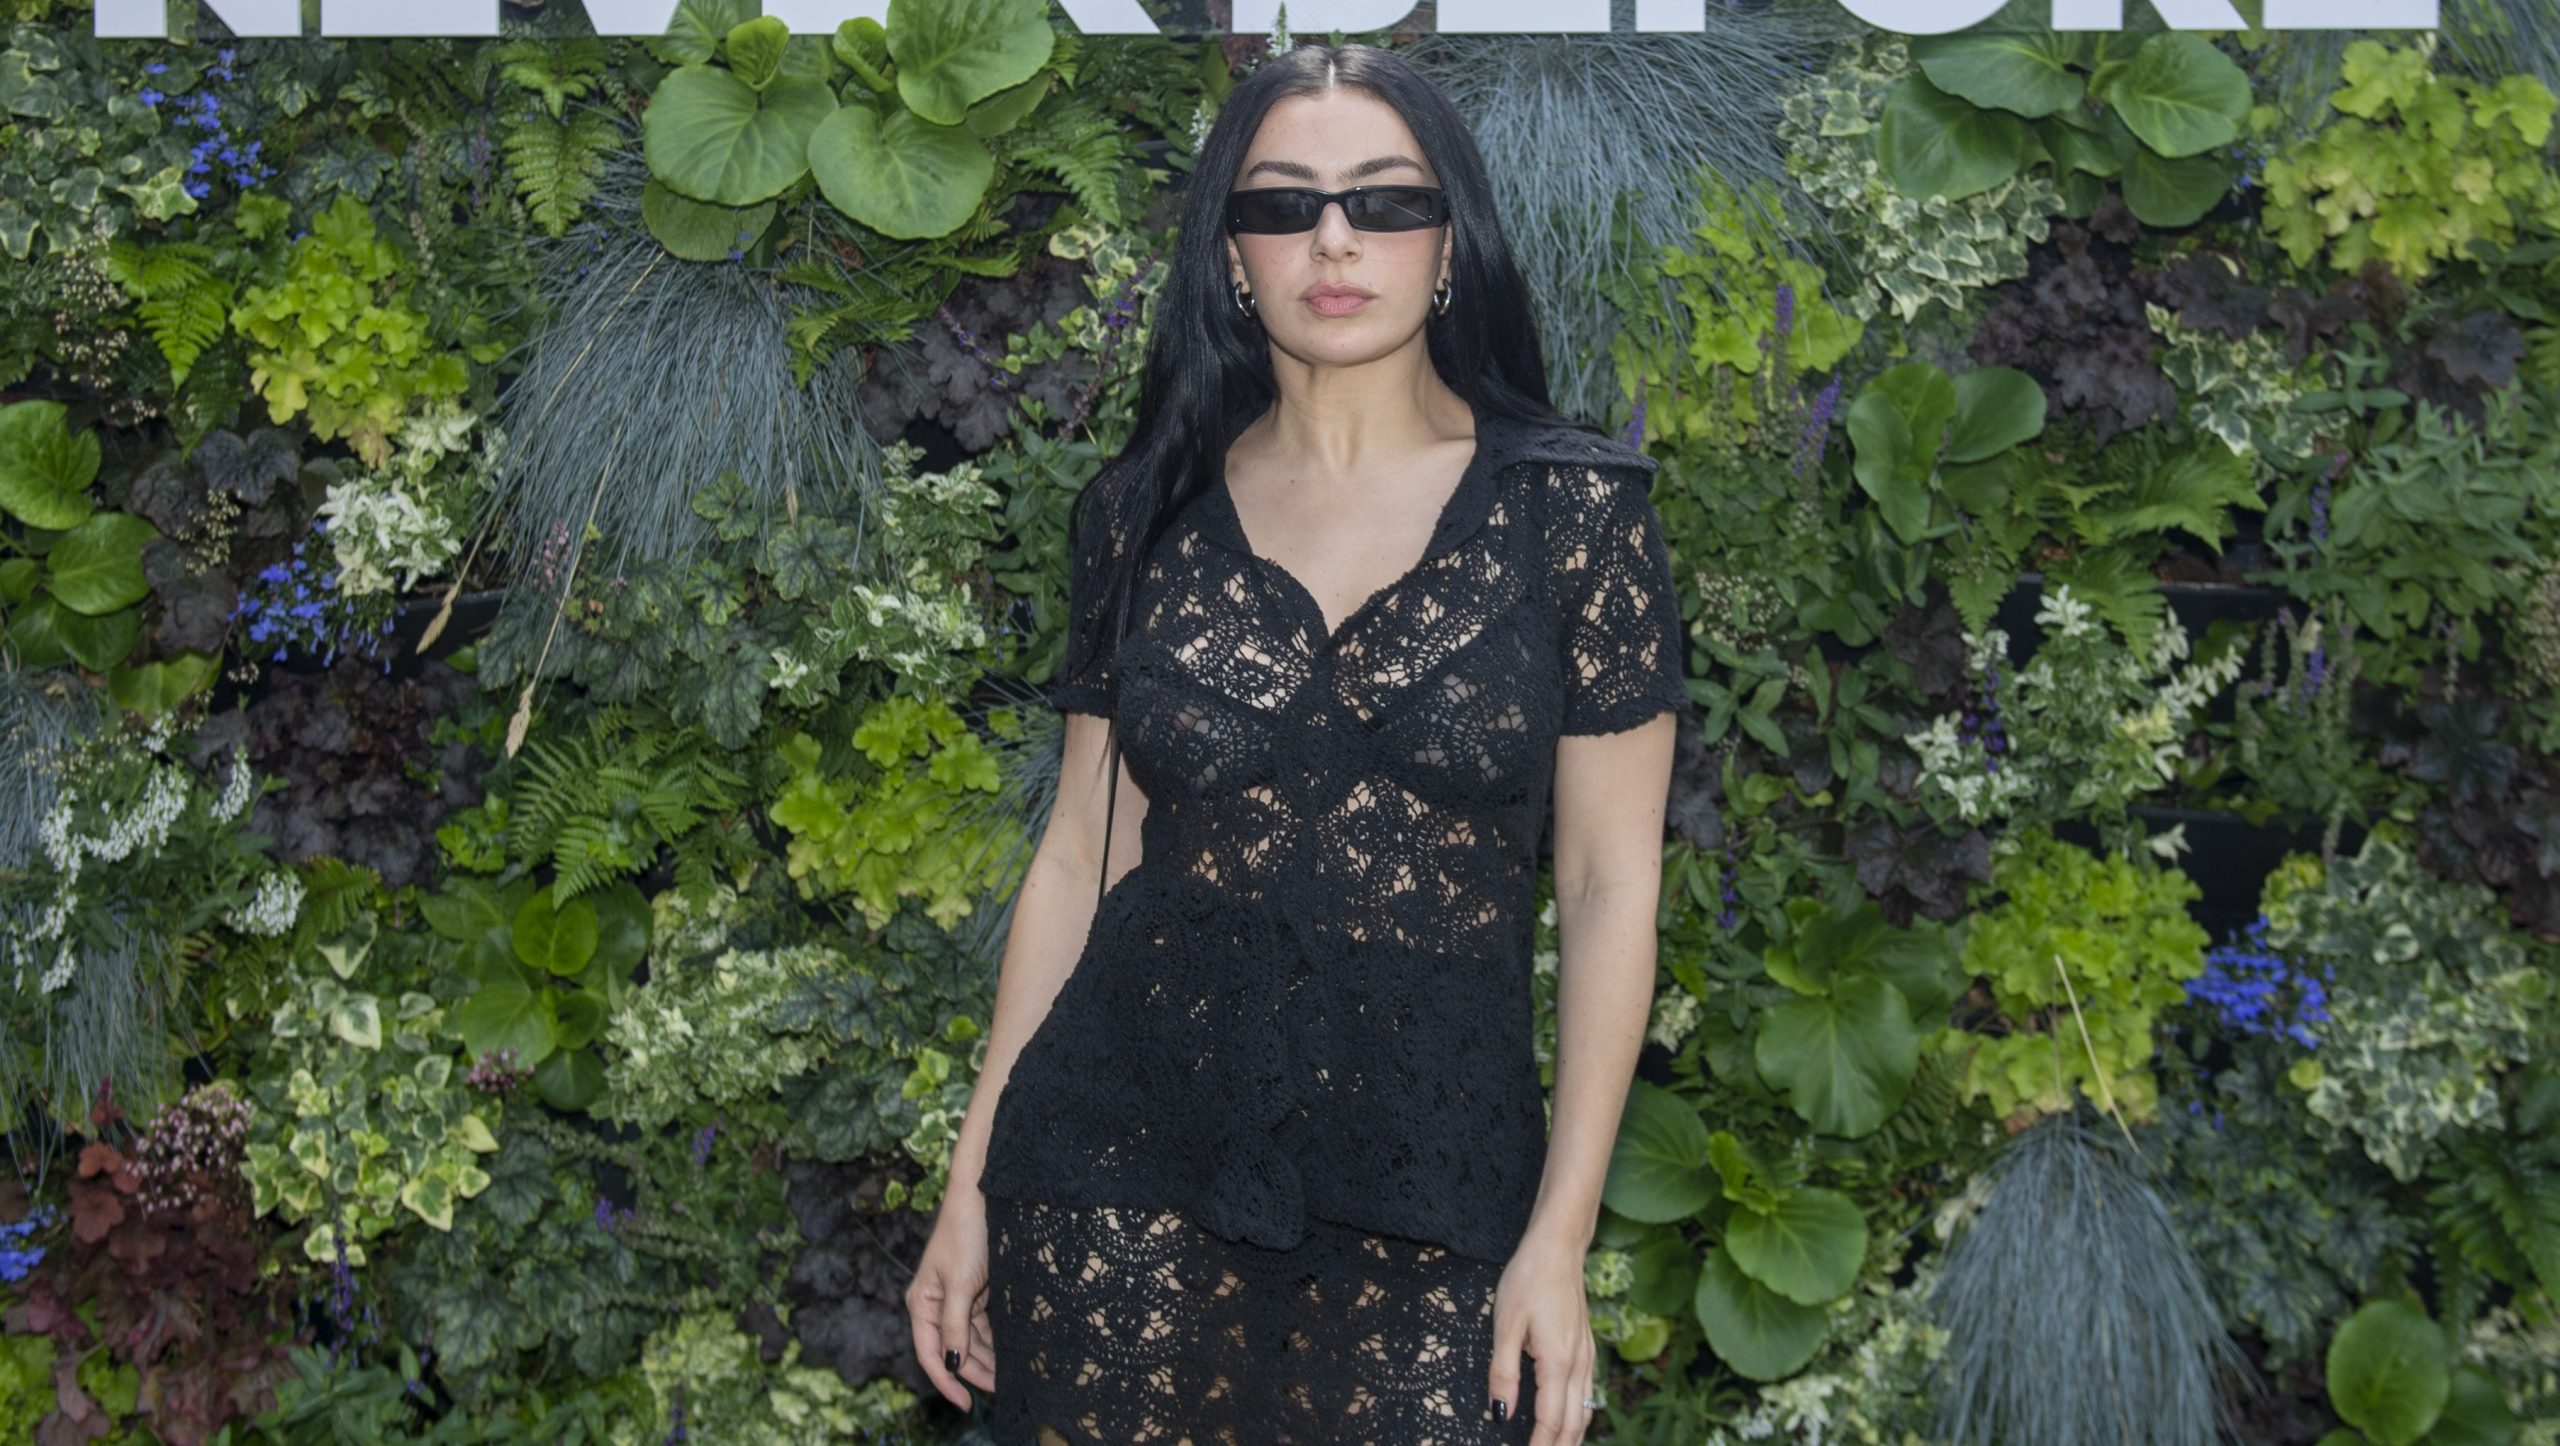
[1312, 993]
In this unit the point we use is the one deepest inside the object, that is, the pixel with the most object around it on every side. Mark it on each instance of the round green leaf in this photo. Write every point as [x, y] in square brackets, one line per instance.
[559, 939]
[1996, 409]
[1760, 1333]
[695, 231]
[96, 567]
[160, 686]
[754, 50]
[570, 1080]
[2076, 151]
[2028, 72]
[2180, 94]
[45, 469]
[711, 136]
[1657, 1170]
[1666, 1274]
[1930, 143]
[622, 929]
[1844, 1060]
[1884, 462]
[35, 635]
[901, 177]
[1808, 1249]
[1007, 108]
[2390, 1372]
[951, 54]
[578, 1016]
[2476, 1413]
[505, 1013]
[2167, 194]
[100, 642]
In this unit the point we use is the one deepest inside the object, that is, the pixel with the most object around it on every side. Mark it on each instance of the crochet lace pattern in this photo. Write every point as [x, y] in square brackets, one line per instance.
[1305, 1013]
[1143, 1328]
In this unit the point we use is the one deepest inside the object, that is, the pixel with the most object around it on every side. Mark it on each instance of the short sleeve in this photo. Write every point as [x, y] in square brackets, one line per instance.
[1623, 648]
[1083, 684]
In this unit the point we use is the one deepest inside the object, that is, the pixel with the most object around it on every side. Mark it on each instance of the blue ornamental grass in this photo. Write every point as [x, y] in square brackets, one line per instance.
[1569, 132]
[650, 378]
[2076, 1315]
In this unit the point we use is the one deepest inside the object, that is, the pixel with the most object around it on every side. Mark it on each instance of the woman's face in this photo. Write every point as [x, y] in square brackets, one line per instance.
[1334, 140]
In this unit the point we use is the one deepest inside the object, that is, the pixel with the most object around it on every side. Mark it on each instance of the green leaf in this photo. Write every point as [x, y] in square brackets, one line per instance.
[713, 137]
[809, 558]
[1656, 1172]
[1760, 1333]
[570, 1080]
[2162, 191]
[903, 177]
[2180, 94]
[1845, 1060]
[45, 469]
[99, 643]
[578, 1017]
[1007, 108]
[951, 54]
[2076, 151]
[505, 1013]
[754, 50]
[96, 567]
[1931, 143]
[1809, 1249]
[35, 635]
[1996, 409]
[622, 929]
[863, 46]
[697, 231]
[2028, 72]
[157, 687]
[2475, 1413]
[555, 938]
[2390, 1372]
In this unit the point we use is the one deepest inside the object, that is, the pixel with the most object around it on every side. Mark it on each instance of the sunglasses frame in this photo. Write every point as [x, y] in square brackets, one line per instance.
[1439, 204]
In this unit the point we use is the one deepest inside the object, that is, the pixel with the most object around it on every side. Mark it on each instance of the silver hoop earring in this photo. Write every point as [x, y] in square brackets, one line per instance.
[1440, 300]
[1246, 306]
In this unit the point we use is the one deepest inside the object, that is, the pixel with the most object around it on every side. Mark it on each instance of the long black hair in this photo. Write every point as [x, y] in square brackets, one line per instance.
[1208, 366]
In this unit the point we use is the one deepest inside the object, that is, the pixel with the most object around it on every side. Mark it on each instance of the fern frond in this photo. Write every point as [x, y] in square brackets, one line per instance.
[558, 70]
[182, 303]
[1089, 154]
[2497, 1212]
[555, 163]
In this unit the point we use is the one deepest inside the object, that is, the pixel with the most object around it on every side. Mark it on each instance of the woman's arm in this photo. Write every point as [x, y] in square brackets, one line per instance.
[1051, 916]
[1611, 792]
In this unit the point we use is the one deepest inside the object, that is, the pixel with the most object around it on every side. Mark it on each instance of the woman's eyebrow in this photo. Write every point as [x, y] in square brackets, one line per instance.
[1297, 171]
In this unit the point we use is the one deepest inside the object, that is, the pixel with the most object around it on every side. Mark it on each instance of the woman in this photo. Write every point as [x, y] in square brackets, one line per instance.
[1266, 1159]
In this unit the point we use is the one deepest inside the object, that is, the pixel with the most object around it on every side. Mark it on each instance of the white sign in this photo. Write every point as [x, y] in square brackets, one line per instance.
[149, 19]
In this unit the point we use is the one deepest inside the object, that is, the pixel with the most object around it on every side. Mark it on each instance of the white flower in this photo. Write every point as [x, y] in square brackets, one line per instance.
[235, 791]
[787, 670]
[272, 909]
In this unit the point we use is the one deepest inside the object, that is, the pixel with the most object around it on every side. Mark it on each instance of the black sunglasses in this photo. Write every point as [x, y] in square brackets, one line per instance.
[1286, 210]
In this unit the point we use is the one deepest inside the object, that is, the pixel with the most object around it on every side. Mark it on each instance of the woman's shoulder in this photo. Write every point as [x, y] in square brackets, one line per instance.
[1569, 456]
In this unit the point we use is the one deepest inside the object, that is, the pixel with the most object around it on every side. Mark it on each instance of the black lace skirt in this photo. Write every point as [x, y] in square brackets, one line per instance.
[1133, 1326]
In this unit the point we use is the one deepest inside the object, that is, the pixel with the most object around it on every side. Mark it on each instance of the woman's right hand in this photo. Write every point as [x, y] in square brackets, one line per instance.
[946, 1302]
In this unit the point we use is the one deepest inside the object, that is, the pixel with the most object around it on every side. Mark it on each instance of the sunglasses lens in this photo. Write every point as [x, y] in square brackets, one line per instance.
[1394, 208]
[1275, 211]
[1285, 211]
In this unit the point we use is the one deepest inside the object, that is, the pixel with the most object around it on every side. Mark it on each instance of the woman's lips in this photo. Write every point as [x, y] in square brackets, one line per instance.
[1338, 304]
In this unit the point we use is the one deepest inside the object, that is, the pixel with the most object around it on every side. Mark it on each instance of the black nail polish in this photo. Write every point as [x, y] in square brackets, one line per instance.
[1501, 1409]
[951, 1361]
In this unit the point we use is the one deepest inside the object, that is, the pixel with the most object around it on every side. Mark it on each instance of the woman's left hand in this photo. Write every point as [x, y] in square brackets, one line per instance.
[1539, 1306]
